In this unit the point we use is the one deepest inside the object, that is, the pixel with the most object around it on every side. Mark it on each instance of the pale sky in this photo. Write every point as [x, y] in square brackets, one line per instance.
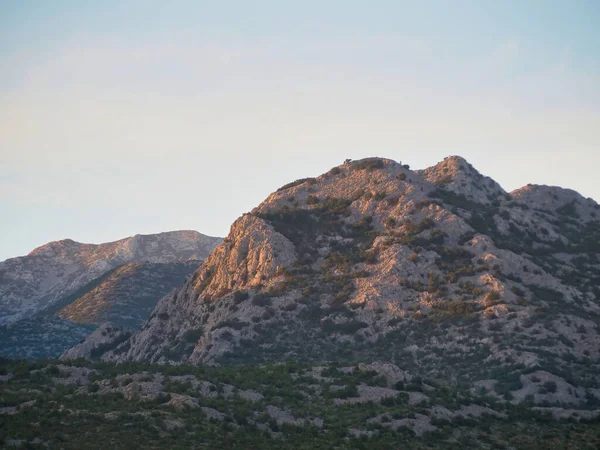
[126, 117]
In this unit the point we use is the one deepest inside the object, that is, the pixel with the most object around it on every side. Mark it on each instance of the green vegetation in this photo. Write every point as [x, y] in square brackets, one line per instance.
[310, 181]
[368, 165]
[283, 406]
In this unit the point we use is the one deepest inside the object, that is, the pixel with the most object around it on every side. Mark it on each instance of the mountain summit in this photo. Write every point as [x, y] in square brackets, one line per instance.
[439, 271]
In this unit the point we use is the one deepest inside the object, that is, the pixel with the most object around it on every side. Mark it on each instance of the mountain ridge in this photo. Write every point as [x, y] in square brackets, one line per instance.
[30, 283]
[372, 261]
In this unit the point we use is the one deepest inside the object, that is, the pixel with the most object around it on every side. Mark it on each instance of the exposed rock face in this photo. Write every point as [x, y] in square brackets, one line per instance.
[439, 271]
[31, 283]
[104, 338]
[460, 177]
[251, 254]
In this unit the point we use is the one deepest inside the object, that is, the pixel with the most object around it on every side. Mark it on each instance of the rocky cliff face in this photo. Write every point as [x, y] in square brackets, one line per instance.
[49, 273]
[438, 271]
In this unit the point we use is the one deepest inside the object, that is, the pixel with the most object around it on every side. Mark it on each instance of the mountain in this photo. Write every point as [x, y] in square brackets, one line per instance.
[32, 283]
[124, 296]
[440, 272]
[127, 294]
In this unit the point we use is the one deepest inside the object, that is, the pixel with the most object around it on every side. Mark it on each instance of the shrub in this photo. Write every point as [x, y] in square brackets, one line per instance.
[371, 257]
[568, 209]
[343, 328]
[492, 298]
[290, 307]
[550, 386]
[392, 201]
[517, 291]
[297, 183]
[400, 399]
[390, 222]
[546, 294]
[261, 300]
[368, 165]
[347, 391]
[192, 335]
[227, 335]
[495, 326]
[312, 200]
[240, 296]
[235, 324]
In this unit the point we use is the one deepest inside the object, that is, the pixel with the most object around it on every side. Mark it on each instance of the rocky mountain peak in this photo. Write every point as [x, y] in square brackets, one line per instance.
[456, 174]
[557, 200]
[374, 260]
[251, 254]
[61, 248]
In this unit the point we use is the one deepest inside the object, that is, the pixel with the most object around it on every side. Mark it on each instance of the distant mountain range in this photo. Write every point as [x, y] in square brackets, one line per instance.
[29, 284]
[88, 284]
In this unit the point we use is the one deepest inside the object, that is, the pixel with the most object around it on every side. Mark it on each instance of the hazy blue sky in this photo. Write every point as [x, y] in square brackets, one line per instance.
[125, 117]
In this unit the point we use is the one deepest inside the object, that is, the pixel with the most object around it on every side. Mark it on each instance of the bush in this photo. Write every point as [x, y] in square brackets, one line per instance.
[390, 222]
[546, 294]
[290, 307]
[400, 399]
[492, 298]
[392, 201]
[312, 200]
[518, 291]
[235, 324]
[568, 209]
[240, 296]
[297, 183]
[368, 164]
[192, 335]
[343, 328]
[261, 300]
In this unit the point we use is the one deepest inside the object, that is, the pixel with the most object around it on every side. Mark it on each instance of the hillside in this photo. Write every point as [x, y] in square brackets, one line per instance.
[128, 294]
[283, 406]
[40, 338]
[124, 296]
[32, 283]
[440, 272]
